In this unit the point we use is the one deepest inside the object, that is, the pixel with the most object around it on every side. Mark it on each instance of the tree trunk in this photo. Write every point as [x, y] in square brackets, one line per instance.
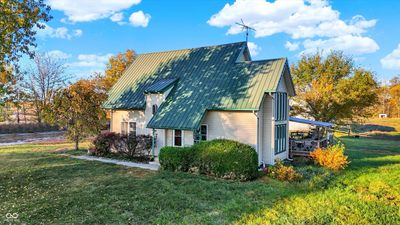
[18, 119]
[76, 143]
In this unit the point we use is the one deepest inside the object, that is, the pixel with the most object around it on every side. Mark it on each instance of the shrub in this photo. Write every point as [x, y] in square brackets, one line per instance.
[133, 146]
[227, 159]
[283, 172]
[177, 158]
[103, 143]
[143, 146]
[331, 157]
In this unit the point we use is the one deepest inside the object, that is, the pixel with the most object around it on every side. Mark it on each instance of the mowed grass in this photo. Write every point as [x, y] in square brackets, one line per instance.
[46, 188]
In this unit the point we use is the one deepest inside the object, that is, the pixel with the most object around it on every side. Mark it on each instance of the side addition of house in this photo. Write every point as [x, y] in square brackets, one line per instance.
[186, 96]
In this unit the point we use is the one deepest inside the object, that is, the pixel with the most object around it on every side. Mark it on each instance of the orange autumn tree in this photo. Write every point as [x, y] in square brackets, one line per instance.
[115, 67]
[330, 88]
[78, 109]
[394, 91]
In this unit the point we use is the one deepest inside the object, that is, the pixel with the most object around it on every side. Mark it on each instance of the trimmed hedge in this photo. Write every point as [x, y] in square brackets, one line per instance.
[177, 158]
[221, 158]
[227, 159]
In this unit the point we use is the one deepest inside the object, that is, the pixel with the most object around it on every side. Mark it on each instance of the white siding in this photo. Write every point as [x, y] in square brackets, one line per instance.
[267, 128]
[187, 138]
[137, 116]
[239, 126]
[267, 139]
[282, 85]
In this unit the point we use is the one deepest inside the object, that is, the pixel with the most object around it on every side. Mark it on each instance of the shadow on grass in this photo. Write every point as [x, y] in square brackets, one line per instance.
[45, 188]
[361, 128]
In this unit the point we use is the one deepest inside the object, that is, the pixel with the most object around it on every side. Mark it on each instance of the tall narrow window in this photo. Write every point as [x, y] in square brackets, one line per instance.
[201, 134]
[281, 106]
[132, 128]
[280, 138]
[177, 137]
[124, 127]
[154, 109]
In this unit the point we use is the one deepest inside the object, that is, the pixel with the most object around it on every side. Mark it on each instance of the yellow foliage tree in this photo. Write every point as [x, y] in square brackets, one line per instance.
[395, 100]
[115, 67]
[78, 109]
[331, 89]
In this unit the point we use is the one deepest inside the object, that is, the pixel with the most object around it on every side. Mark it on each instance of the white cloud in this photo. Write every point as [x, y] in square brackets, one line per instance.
[58, 54]
[349, 44]
[91, 60]
[300, 19]
[253, 48]
[117, 17]
[392, 61]
[292, 46]
[139, 19]
[78, 32]
[89, 10]
[59, 32]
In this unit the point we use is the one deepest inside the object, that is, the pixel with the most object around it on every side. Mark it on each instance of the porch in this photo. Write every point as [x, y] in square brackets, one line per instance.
[319, 135]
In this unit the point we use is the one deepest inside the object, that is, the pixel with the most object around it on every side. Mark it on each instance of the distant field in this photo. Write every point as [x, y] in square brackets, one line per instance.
[386, 129]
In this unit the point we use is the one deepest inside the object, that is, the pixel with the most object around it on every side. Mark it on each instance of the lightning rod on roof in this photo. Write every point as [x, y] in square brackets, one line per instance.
[245, 27]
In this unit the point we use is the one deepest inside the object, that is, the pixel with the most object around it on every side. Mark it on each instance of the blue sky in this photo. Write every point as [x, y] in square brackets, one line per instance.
[86, 32]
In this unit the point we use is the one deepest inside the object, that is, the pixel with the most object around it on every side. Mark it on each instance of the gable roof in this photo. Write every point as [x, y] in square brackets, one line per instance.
[206, 78]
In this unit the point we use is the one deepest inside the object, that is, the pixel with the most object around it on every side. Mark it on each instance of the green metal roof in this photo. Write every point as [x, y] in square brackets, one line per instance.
[160, 86]
[209, 78]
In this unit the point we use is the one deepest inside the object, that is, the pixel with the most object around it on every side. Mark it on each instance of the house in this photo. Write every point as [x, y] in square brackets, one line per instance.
[185, 96]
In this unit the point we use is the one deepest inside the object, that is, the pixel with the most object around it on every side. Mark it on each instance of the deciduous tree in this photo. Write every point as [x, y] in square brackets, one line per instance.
[331, 89]
[115, 67]
[44, 79]
[19, 20]
[78, 109]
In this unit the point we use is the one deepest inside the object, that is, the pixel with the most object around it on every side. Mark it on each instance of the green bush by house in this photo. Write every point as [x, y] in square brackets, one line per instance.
[221, 158]
[177, 158]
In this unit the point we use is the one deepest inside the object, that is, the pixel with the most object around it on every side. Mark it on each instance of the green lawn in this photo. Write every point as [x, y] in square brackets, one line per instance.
[46, 188]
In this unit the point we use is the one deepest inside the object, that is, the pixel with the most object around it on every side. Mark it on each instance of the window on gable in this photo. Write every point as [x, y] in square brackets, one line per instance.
[201, 134]
[154, 109]
[178, 138]
[281, 106]
[280, 138]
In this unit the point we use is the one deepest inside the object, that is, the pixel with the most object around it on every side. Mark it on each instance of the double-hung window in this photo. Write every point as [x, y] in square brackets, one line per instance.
[128, 128]
[178, 138]
[201, 134]
[281, 106]
[280, 138]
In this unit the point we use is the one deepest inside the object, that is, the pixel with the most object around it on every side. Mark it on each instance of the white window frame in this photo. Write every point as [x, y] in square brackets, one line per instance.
[122, 125]
[127, 127]
[182, 138]
[281, 142]
[206, 130]
[281, 106]
[152, 109]
[197, 134]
